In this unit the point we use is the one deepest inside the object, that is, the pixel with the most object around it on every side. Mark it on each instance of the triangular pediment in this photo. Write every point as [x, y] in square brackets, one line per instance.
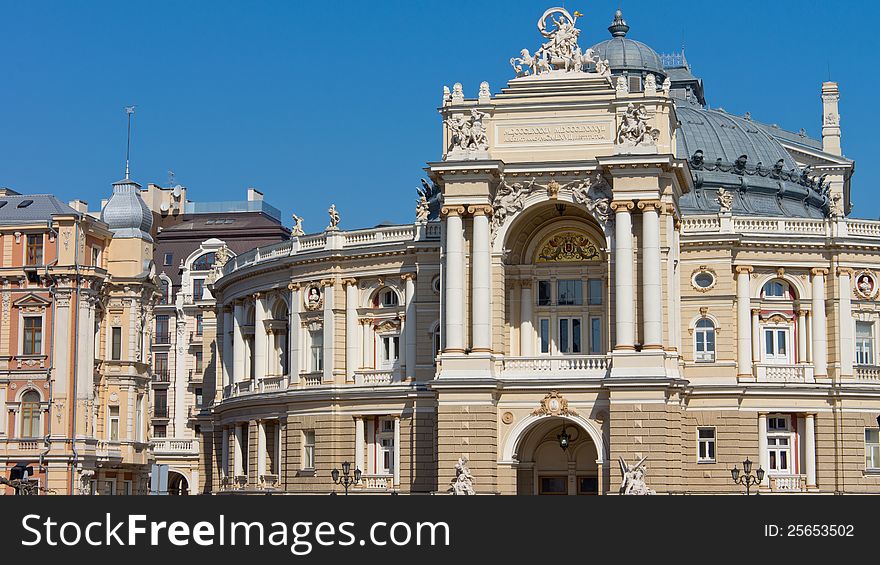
[31, 300]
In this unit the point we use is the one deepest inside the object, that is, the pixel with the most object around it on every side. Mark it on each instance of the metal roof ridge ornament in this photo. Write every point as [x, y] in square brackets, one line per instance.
[561, 54]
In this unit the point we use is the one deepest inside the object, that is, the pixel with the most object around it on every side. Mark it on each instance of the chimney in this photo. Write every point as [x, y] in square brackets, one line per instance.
[830, 118]
[254, 195]
[80, 206]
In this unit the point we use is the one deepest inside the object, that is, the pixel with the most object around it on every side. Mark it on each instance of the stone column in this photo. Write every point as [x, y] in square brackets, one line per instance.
[481, 280]
[228, 370]
[224, 454]
[261, 337]
[845, 322]
[756, 335]
[238, 455]
[743, 322]
[238, 355]
[624, 307]
[368, 349]
[409, 326]
[763, 459]
[651, 275]
[820, 342]
[351, 328]
[454, 267]
[60, 359]
[261, 448]
[526, 329]
[397, 450]
[359, 443]
[810, 449]
[329, 330]
[295, 356]
[802, 335]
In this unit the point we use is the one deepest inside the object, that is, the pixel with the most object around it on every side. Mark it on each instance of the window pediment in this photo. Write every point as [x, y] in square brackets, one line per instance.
[31, 302]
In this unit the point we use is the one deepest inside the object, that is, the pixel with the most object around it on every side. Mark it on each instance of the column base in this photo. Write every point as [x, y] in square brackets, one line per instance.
[652, 346]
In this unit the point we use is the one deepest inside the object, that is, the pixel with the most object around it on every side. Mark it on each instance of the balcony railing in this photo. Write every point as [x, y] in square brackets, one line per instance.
[868, 373]
[312, 379]
[560, 366]
[374, 376]
[161, 376]
[160, 412]
[377, 481]
[771, 373]
[162, 339]
[788, 483]
[181, 446]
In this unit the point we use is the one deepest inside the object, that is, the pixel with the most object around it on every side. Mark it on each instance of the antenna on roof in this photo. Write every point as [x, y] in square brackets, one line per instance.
[129, 110]
[170, 178]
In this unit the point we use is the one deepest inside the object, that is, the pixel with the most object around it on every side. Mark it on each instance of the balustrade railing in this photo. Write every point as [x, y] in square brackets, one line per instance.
[788, 483]
[867, 373]
[768, 373]
[377, 481]
[374, 377]
[556, 366]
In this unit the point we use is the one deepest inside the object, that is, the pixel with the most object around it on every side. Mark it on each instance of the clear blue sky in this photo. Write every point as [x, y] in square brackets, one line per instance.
[336, 102]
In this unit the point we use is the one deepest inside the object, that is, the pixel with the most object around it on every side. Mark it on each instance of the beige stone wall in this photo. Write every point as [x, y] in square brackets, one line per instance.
[467, 430]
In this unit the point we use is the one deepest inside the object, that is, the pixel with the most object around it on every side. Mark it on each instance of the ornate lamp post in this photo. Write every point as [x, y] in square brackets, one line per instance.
[747, 479]
[564, 439]
[347, 479]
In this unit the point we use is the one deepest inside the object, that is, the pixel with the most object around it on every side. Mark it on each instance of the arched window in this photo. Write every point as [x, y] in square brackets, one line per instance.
[387, 298]
[204, 262]
[165, 290]
[30, 415]
[704, 341]
[776, 289]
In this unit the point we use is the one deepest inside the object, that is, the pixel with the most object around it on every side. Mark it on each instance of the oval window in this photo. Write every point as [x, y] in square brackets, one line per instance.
[704, 279]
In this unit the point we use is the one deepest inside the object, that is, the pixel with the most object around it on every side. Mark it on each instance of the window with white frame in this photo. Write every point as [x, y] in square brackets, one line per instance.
[113, 423]
[569, 335]
[389, 350]
[706, 445]
[317, 347]
[96, 257]
[776, 289]
[385, 447]
[308, 454]
[596, 336]
[779, 441]
[594, 292]
[865, 343]
[704, 340]
[872, 448]
[388, 298]
[776, 345]
[569, 292]
[32, 335]
[544, 334]
[31, 426]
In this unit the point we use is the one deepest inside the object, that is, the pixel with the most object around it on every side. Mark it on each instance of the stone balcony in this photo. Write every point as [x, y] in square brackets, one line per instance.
[788, 483]
[556, 367]
[380, 481]
[376, 376]
[172, 447]
[867, 374]
[772, 373]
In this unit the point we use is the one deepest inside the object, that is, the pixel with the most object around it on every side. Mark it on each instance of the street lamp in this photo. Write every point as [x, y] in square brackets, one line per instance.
[747, 479]
[346, 480]
[564, 439]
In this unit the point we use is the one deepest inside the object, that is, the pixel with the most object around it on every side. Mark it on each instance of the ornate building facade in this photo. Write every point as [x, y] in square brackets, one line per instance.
[602, 270]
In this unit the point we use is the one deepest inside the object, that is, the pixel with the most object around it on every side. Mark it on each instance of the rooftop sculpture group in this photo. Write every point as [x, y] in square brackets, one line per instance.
[561, 52]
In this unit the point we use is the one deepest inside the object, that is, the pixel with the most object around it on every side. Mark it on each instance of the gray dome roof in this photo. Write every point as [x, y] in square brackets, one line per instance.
[126, 213]
[625, 54]
[730, 152]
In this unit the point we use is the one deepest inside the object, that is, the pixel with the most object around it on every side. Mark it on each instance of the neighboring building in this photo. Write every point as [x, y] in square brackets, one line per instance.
[183, 352]
[72, 395]
[616, 272]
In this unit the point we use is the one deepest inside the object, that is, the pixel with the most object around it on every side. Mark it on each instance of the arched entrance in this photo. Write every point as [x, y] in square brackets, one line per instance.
[545, 468]
[177, 484]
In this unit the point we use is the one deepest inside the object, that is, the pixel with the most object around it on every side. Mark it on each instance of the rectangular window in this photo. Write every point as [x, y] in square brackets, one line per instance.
[34, 249]
[553, 485]
[199, 324]
[779, 440]
[116, 344]
[776, 345]
[139, 418]
[544, 334]
[544, 298]
[113, 423]
[706, 445]
[865, 343]
[33, 335]
[163, 336]
[569, 292]
[198, 288]
[595, 290]
[308, 455]
[198, 356]
[160, 431]
[126, 485]
[635, 84]
[96, 257]
[168, 259]
[872, 448]
[390, 350]
[160, 404]
[569, 335]
[199, 397]
[109, 487]
[596, 336]
[160, 362]
[317, 351]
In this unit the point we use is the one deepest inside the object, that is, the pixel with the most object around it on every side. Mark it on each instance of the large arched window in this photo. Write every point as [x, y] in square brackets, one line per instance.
[30, 414]
[777, 289]
[386, 298]
[204, 262]
[704, 341]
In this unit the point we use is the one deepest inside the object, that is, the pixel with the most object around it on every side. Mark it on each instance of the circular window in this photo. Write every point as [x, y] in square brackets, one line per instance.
[704, 280]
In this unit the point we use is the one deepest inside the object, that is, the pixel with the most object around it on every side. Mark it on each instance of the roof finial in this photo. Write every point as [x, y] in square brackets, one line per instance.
[129, 110]
[618, 27]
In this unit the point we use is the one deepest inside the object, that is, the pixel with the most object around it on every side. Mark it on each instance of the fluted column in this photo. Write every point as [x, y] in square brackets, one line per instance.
[820, 341]
[743, 322]
[329, 329]
[526, 329]
[454, 270]
[238, 354]
[481, 280]
[810, 449]
[624, 306]
[295, 356]
[409, 325]
[351, 328]
[651, 275]
[261, 337]
[845, 321]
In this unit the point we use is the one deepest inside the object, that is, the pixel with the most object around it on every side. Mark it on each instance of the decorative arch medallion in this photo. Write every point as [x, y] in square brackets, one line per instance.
[568, 246]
